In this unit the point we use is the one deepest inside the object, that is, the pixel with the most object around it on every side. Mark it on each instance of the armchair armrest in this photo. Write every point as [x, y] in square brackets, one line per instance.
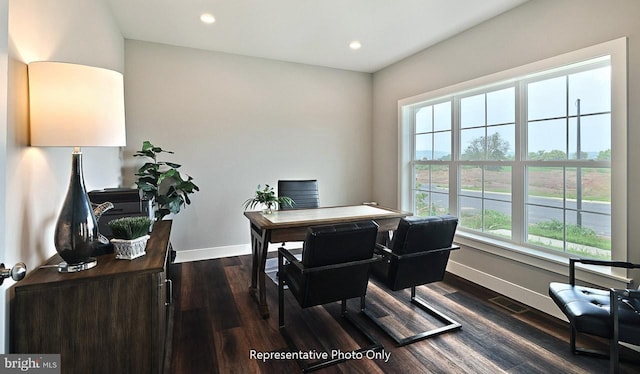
[615, 264]
[427, 253]
[621, 296]
[340, 265]
[284, 253]
[386, 252]
[382, 250]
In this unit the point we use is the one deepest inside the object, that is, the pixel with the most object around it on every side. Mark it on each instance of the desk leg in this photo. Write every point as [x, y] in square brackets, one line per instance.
[259, 246]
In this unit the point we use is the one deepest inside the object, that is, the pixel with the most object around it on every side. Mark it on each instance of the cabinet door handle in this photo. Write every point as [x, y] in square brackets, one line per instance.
[170, 292]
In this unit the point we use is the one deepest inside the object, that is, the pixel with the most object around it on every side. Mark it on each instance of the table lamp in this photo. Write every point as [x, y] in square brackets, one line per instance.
[76, 106]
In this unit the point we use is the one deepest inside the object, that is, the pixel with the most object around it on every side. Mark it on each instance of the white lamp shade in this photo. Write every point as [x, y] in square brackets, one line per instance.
[75, 105]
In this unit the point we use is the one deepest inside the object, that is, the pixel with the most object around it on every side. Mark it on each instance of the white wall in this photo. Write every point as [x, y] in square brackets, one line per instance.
[35, 181]
[235, 122]
[534, 31]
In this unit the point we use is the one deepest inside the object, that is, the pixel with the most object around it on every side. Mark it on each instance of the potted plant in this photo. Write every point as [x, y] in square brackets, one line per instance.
[162, 182]
[130, 235]
[267, 197]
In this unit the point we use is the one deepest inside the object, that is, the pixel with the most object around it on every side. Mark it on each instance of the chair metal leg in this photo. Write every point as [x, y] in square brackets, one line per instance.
[613, 355]
[583, 351]
[375, 345]
[572, 340]
[614, 366]
[450, 324]
[280, 293]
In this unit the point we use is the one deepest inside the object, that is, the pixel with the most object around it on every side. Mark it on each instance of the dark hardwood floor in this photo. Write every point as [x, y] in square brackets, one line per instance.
[217, 326]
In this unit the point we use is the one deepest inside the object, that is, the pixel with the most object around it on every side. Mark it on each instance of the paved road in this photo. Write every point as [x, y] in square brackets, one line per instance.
[539, 209]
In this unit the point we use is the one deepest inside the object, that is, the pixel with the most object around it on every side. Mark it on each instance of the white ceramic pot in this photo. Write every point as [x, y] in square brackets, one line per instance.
[130, 249]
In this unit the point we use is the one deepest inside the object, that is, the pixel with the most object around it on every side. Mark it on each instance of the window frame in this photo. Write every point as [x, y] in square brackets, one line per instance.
[617, 50]
[486, 162]
[447, 163]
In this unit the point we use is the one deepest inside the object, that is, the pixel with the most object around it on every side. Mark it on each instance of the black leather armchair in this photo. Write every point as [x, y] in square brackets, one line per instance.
[304, 193]
[418, 255]
[611, 314]
[335, 266]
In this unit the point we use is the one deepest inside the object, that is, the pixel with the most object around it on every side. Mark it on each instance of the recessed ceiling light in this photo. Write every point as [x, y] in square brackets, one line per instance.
[207, 18]
[355, 45]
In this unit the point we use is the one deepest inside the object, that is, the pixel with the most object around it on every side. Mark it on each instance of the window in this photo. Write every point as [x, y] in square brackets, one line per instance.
[432, 153]
[487, 151]
[568, 161]
[524, 157]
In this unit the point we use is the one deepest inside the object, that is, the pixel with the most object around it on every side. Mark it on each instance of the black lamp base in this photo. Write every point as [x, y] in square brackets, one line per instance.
[76, 233]
[63, 267]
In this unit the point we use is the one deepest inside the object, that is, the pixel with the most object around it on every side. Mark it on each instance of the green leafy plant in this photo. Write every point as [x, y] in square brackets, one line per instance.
[129, 228]
[267, 197]
[162, 182]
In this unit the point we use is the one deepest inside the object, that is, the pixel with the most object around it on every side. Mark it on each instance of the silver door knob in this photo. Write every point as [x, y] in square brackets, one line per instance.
[17, 272]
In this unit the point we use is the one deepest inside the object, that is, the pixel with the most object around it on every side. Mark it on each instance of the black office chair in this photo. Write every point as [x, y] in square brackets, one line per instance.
[611, 314]
[418, 255]
[335, 266]
[304, 193]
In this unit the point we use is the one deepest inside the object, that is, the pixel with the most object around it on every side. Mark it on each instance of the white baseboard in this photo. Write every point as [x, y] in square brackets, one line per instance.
[225, 251]
[211, 253]
[523, 295]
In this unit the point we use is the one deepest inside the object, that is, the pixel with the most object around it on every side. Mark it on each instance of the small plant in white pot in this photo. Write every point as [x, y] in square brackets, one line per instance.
[267, 197]
[130, 235]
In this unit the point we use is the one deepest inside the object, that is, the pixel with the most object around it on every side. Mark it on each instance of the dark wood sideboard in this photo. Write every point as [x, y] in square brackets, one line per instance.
[109, 319]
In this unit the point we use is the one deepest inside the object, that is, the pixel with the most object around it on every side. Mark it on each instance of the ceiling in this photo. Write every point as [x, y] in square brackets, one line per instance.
[316, 32]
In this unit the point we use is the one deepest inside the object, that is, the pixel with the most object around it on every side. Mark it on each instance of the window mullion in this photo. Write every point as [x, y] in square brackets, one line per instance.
[454, 168]
[518, 173]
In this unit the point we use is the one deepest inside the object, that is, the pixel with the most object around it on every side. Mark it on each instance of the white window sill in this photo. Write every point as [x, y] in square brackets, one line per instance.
[597, 275]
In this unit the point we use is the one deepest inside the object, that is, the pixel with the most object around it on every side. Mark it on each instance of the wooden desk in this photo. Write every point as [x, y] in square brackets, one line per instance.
[292, 225]
[109, 319]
